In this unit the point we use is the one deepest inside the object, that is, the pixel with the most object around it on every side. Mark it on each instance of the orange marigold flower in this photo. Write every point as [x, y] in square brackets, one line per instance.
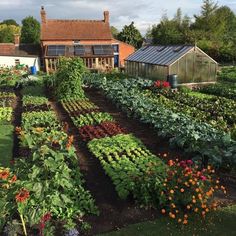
[170, 162]
[22, 196]
[181, 190]
[196, 210]
[185, 222]
[13, 179]
[4, 174]
[163, 211]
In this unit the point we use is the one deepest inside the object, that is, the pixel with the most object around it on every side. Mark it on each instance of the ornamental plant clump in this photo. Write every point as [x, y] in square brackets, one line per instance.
[68, 78]
[188, 190]
[161, 84]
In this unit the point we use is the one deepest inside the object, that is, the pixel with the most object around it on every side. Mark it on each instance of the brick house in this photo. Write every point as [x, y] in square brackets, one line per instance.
[89, 39]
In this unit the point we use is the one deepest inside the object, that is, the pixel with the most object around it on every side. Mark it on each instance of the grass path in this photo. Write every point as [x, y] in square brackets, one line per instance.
[6, 144]
[220, 223]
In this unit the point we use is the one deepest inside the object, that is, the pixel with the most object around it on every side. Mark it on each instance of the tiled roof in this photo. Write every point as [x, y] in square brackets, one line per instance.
[159, 55]
[23, 50]
[7, 48]
[75, 30]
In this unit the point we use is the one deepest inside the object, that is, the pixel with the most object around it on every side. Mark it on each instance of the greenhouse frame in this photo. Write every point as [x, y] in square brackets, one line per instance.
[190, 63]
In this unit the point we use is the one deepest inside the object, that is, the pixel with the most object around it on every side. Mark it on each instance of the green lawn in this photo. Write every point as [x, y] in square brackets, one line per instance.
[220, 223]
[6, 144]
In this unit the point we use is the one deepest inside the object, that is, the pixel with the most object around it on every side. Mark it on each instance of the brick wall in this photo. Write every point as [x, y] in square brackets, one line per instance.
[124, 51]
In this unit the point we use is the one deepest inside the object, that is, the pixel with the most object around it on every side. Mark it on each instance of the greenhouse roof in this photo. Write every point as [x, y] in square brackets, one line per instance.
[159, 55]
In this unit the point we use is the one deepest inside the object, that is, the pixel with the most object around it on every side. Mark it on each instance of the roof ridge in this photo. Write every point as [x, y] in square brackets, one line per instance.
[75, 20]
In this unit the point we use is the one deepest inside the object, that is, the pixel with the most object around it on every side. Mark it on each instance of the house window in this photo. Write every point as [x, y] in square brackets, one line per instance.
[56, 50]
[17, 62]
[79, 50]
[116, 48]
[102, 50]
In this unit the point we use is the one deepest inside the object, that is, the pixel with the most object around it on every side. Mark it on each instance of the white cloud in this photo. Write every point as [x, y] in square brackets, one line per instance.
[143, 12]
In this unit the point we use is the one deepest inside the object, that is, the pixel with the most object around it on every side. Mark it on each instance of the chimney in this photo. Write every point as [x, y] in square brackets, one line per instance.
[17, 39]
[43, 15]
[106, 16]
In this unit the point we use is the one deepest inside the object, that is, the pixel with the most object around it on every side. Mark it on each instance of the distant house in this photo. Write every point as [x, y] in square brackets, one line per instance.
[89, 39]
[190, 63]
[13, 54]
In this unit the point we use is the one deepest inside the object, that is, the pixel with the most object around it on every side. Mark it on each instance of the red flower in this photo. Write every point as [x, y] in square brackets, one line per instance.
[22, 196]
[47, 217]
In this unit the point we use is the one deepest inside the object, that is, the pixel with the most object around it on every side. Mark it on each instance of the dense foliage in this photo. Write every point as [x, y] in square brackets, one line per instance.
[68, 78]
[30, 31]
[131, 35]
[7, 32]
[228, 74]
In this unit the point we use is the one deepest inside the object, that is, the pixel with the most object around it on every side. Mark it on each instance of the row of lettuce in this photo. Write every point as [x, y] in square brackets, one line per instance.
[177, 117]
[44, 187]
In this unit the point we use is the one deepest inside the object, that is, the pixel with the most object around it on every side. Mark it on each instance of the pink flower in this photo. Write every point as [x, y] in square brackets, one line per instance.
[204, 178]
[189, 162]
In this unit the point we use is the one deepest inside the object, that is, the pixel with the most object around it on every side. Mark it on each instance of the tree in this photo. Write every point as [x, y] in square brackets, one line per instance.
[205, 21]
[131, 35]
[7, 33]
[30, 32]
[114, 32]
[172, 31]
[9, 22]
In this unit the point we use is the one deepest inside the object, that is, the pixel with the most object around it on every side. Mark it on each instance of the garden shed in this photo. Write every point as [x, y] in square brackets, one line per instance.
[190, 63]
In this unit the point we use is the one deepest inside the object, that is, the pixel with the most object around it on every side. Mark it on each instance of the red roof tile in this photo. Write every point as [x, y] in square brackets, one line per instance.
[75, 30]
[24, 50]
[7, 48]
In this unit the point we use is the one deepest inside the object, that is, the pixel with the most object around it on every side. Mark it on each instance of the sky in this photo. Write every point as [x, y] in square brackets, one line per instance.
[144, 13]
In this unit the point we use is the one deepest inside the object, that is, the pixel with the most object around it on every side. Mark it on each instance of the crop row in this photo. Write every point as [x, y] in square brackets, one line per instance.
[6, 110]
[222, 90]
[217, 111]
[132, 168]
[202, 140]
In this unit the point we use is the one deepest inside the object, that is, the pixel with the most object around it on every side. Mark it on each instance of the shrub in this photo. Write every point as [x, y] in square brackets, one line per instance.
[188, 190]
[68, 78]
